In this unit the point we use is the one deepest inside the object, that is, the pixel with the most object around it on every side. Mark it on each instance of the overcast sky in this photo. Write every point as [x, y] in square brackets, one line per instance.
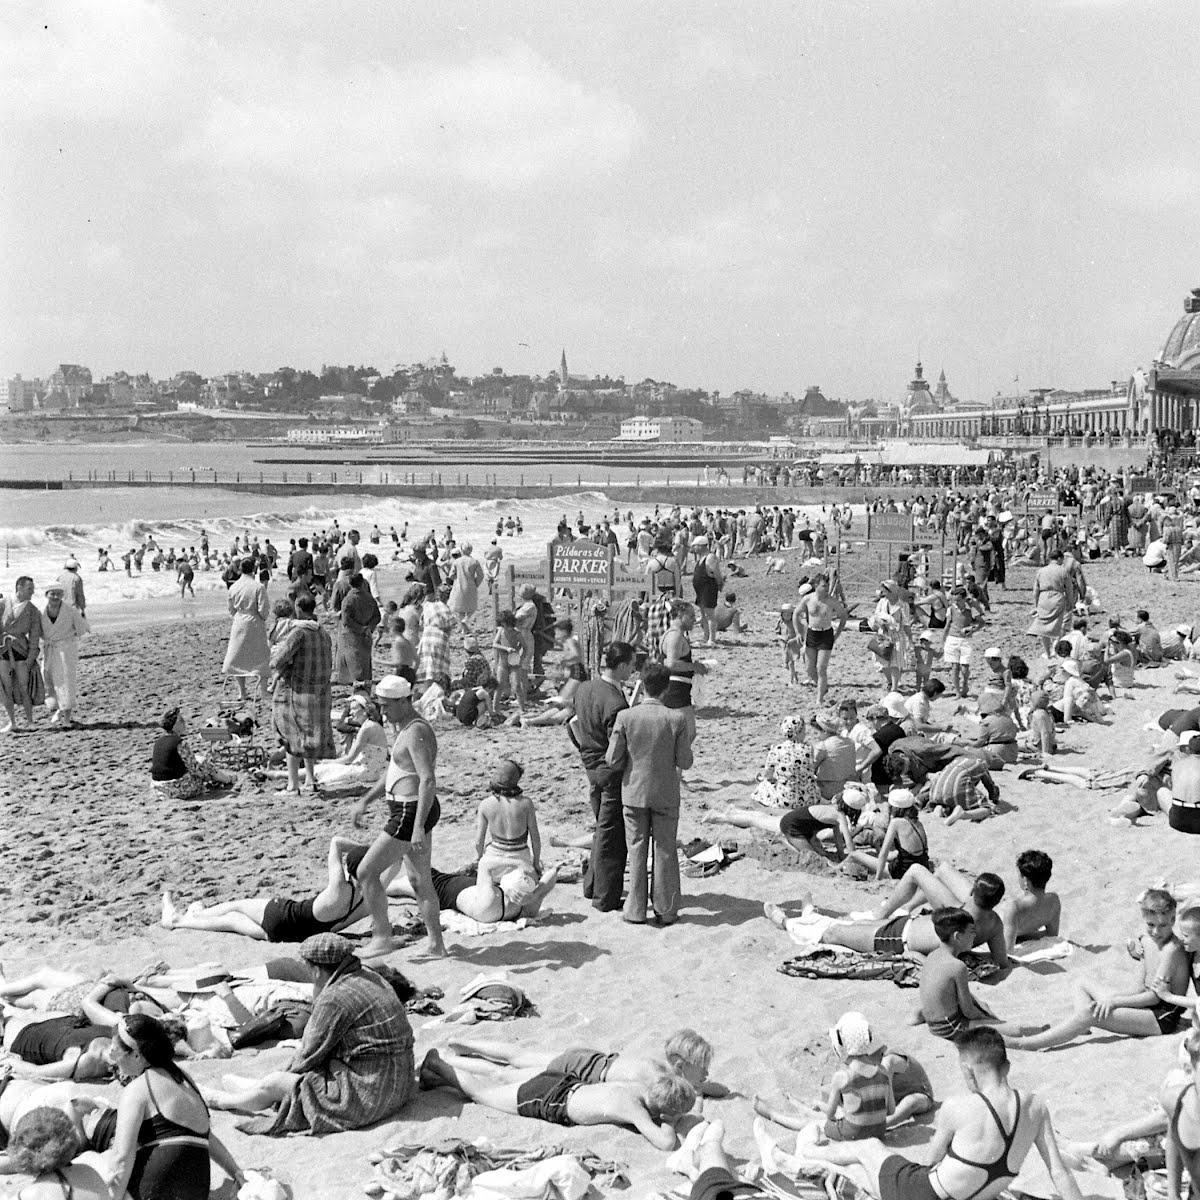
[764, 195]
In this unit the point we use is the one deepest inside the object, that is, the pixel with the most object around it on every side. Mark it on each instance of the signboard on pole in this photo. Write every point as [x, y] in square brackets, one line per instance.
[580, 564]
[1041, 502]
[889, 527]
[1143, 483]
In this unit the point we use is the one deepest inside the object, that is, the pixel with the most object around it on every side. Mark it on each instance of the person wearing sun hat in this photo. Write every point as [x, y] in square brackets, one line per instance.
[354, 1066]
[904, 844]
[72, 584]
[506, 827]
[62, 627]
[409, 787]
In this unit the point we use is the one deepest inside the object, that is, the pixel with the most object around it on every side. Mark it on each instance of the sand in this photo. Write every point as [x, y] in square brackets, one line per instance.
[90, 850]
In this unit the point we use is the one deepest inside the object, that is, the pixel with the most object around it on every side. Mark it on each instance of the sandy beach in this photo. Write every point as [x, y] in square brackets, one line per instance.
[90, 850]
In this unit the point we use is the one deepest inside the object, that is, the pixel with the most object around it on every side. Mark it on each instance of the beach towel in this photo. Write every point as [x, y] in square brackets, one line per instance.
[464, 926]
[836, 962]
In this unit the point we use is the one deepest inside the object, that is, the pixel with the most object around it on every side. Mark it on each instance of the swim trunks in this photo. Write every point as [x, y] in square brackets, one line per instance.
[292, 920]
[544, 1097]
[402, 818]
[588, 1066]
[902, 1179]
[716, 1183]
[950, 1028]
[889, 937]
[1184, 818]
[796, 823]
[818, 639]
[1168, 1016]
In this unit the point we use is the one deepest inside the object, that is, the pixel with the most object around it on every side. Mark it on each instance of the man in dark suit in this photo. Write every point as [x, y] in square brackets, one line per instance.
[597, 703]
[651, 746]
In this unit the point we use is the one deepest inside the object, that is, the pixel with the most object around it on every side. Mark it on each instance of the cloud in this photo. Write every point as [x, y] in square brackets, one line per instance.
[703, 56]
[1153, 187]
[502, 121]
[79, 60]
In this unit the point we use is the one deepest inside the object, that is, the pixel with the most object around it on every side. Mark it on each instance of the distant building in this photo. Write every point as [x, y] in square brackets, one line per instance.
[411, 403]
[19, 395]
[326, 435]
[662, 429]
[69, 386]
[942, 396]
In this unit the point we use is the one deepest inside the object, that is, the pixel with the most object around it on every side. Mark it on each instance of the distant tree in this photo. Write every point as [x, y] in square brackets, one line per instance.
[470, 428]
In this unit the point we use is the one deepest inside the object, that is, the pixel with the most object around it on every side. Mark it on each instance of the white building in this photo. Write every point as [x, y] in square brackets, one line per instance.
[18, 395]
[662, 429]
[324, 435]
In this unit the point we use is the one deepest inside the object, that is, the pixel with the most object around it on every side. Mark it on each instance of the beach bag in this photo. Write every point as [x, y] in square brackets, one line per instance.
[881, 646]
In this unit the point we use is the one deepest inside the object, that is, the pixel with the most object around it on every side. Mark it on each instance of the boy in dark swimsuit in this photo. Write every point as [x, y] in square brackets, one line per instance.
[981, 1142]
[566, 1100]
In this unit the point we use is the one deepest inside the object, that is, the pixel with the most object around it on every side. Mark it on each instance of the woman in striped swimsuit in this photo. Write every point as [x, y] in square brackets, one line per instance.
[506, 828]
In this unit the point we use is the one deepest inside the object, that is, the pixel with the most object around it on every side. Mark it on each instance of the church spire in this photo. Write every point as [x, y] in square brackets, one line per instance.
[562, 369]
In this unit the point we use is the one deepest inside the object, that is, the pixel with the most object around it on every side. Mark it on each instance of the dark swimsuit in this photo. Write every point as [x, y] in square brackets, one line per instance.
[172, 1160]
[545, 1096]
[678, 692]
[293, 920]
[1189, 1154]
[448, 887]
[588, 1066]
[902, 1179]
[45, 1042]
[907, 858]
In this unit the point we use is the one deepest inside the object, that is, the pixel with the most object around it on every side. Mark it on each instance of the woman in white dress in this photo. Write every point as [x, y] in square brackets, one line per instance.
[249, 652]
[891, 621]
[62, 627]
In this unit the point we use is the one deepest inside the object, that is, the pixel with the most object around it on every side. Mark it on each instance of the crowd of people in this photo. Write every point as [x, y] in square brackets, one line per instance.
[359, 685]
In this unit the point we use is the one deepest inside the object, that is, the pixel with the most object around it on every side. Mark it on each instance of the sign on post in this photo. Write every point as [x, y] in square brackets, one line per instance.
[1041, 502]
[889, 527]
[580, 564]
[1143, 483]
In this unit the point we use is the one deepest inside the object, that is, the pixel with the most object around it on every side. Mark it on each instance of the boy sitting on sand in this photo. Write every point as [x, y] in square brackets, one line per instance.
[947, 1005]
[1164, 965]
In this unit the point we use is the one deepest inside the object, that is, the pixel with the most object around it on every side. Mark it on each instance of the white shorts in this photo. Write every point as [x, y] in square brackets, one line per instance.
[956, 650]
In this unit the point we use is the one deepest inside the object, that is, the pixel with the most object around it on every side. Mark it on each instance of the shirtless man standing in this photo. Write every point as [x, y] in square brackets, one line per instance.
[410, 788]
[814, 616]
[981, 1140]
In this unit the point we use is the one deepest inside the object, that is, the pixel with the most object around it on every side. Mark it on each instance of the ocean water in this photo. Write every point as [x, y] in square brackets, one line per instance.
[40, 530]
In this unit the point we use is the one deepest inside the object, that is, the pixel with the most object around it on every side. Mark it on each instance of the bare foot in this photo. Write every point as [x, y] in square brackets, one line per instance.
[169, 915]
[774, 914]
[429, 1075]
[381, 947]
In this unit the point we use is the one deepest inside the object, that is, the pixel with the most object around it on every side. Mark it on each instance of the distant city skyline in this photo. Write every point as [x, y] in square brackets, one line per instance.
[766, 198]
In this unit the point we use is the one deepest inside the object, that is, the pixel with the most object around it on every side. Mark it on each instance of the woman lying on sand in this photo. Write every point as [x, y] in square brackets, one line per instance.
[1164, 967]
[565, 1099]
[71, 993]
[517, 894]
[43, 1144]
[19, 1097]
[336, 906]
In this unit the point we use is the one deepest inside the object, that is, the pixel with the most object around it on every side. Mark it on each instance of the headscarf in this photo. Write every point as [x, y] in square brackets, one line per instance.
[791, 726]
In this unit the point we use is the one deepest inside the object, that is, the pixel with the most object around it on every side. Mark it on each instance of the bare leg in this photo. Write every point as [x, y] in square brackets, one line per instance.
[40, 979]
[743, 818]
[267, 1091]
[916, 881]
[489, 1089]
[909, 1107]
[823, 657]
[503, 1054]
[385, 853]
[244, 917]
[417, 868]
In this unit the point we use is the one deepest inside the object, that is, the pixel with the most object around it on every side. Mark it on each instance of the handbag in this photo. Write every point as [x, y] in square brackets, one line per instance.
[881, 646]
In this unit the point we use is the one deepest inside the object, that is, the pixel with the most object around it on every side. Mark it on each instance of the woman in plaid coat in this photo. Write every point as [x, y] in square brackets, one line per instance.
[303, 659]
